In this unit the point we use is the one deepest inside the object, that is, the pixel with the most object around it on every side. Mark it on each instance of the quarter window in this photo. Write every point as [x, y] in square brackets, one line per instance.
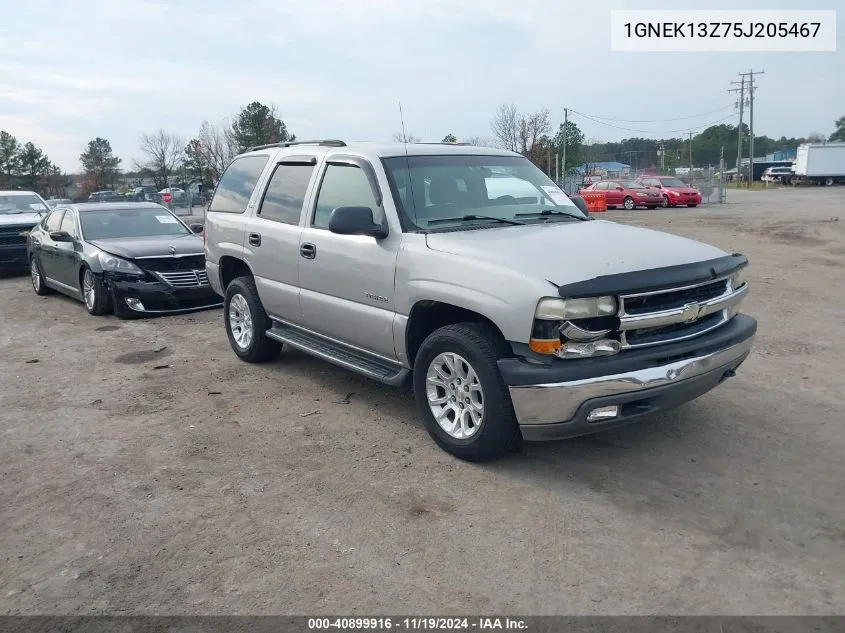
[344, 186]
[237, 184]
[285, 194]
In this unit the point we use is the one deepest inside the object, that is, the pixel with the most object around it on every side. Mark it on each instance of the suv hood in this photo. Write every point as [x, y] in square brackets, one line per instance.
[133, 247]
[566, 252]
[20, 219]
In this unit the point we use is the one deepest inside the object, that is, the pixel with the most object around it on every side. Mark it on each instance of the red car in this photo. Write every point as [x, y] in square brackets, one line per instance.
[673, 190]
[626, 193]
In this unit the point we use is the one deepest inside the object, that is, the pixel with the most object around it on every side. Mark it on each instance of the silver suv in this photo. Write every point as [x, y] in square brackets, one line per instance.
[469, 272]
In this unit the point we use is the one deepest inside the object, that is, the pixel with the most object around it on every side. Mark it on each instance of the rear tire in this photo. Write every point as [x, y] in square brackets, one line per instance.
[247, 323]
[828, 182]
[37, 278]
[456, 378]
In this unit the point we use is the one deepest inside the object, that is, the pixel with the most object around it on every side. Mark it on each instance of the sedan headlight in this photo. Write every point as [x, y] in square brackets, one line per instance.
[567, 309]
[113, 264]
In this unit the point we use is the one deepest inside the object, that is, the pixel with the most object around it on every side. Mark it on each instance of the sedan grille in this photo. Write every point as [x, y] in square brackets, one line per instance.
[185, 278]
[172, 264]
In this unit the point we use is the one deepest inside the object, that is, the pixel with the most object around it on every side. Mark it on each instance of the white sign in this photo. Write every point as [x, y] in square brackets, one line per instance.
[557, 196]
[731, 31]
[167, 219]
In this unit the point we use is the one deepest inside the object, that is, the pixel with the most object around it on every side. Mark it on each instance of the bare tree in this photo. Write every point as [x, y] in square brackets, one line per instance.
[479, 141]
[164, 152]
[531, 128]
[218, 147]
[505, 127]
[399, 137]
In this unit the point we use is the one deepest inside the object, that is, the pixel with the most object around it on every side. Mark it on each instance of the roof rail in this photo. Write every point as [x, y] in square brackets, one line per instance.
[325, 142]
[439, 143]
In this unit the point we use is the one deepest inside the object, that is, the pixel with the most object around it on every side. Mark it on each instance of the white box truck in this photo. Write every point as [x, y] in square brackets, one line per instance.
[819, 164]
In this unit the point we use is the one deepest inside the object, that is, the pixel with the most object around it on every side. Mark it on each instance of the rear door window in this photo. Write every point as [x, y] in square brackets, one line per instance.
[237, 184]
[285, 194]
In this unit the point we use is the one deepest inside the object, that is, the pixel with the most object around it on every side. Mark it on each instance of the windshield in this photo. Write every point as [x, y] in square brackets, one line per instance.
[21, 203]
[672, 182]
[117, 223]
[439, 192]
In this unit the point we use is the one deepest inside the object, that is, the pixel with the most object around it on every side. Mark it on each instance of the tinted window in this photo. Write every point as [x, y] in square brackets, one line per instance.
[344, 186]
[54, 221]
[285, 194]
[236, 185]
[68, 224]
[103, 225]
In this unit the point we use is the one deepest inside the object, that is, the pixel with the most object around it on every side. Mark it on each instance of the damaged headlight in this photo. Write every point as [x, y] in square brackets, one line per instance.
[113, 264]
[561, 327]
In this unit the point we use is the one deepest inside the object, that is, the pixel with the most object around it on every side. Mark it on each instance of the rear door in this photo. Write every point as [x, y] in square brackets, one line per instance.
[273, 235]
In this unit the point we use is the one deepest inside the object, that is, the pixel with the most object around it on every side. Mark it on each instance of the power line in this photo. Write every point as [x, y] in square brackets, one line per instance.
[680, 118]
[627, 129]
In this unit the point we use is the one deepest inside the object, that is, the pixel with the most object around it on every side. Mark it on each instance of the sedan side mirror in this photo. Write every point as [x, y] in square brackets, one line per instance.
[197, 228]
[355, 221]
[61, 236]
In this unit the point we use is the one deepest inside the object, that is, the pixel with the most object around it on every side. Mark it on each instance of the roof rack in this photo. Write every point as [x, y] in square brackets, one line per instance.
[325, 142]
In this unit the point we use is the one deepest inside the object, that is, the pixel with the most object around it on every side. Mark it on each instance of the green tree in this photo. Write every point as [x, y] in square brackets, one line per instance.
[196, 163]
[574, 144]
[100, 165]
[450, 138]
[34, 167]
[257, 124]
[10, 150]
[839, 134]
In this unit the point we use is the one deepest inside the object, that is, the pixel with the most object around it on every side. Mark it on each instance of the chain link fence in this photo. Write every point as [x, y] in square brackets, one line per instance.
[709, 181]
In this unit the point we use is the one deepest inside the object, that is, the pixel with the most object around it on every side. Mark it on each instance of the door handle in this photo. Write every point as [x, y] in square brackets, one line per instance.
[308, 251]
[255, 239]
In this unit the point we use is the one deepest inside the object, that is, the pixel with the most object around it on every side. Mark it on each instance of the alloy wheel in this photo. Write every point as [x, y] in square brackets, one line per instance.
[455, 396]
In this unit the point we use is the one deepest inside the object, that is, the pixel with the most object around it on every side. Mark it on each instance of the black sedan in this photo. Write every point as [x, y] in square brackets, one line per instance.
[132, 258]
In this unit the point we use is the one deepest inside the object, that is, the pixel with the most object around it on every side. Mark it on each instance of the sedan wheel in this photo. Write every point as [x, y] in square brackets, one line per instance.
[36, 277]
[665, 203]
[88, 290]
[628, 203]
[94, 294]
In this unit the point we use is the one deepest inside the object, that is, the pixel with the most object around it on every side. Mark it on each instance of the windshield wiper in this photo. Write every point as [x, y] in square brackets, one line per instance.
[468, 218]
[547, 212]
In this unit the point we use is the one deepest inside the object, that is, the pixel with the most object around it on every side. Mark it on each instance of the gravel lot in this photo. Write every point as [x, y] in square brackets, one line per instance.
[214, 487]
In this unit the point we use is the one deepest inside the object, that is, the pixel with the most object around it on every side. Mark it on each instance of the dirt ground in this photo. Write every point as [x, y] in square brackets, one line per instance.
[211, 486]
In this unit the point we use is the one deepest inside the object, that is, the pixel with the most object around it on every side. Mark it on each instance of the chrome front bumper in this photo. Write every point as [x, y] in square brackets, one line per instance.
[560, 409]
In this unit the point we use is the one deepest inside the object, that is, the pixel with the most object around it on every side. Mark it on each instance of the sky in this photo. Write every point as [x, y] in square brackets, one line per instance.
[74, 70]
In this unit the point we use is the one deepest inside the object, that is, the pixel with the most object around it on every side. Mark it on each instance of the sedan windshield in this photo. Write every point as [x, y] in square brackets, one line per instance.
[18, 203]
[122, 223]
[672, 182]
[445, 192]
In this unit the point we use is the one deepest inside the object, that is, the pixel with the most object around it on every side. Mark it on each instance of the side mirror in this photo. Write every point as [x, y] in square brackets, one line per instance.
[61, 236]
[197, 228]
[355, 221]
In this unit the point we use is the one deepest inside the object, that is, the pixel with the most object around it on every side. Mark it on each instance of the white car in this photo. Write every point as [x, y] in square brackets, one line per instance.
[776, 174]
[20, 211]
[176, 192]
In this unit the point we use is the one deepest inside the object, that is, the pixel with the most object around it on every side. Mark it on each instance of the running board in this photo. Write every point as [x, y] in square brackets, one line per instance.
[360, 362]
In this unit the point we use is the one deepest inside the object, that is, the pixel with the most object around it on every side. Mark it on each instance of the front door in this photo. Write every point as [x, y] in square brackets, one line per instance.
[47, 250]
[347, 281]
[68, 254]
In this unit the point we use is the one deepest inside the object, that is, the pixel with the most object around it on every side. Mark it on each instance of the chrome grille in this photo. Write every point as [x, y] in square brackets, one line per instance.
[185, 278]
[675, 314]
[14, 235]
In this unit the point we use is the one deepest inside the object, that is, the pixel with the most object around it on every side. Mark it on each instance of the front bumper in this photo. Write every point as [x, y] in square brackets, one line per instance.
[158, 297]
[649, 202]
[554, 401]
[13, 255]
[675, 201]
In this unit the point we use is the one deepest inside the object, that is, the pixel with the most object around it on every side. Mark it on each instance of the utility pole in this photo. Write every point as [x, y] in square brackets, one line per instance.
[690, 158]
[741, 91]
[662, 159]
[563, 151]
[751, 87]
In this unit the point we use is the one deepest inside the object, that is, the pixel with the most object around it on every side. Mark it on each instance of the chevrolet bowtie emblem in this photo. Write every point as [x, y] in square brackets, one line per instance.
[691, 312]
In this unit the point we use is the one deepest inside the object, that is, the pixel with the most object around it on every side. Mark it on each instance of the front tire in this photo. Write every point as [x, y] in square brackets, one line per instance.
[665, 203]
[463, 402]
[94, 294]
[247, 323]
[628, 203]
[37, 278]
